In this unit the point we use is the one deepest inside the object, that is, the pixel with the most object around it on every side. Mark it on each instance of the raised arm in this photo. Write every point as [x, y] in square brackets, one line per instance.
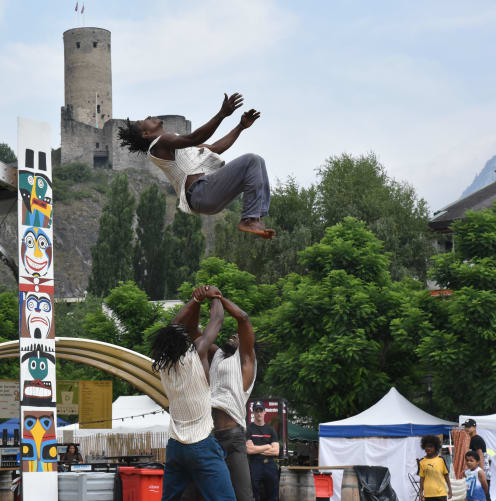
[228, 140]
[210, 333]
[246, 340]
[169, 142]
[189, 315]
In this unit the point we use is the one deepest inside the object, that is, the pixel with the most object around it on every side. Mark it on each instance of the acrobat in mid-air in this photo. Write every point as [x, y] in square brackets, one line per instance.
[203, 182]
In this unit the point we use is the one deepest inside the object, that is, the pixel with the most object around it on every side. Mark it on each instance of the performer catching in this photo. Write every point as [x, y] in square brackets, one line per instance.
[180, 354]
[202, 181]
[233, 371]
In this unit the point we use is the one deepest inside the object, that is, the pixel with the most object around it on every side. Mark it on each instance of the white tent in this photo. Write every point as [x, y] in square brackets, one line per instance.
[386, 434]
[130, 414]
[486, 428]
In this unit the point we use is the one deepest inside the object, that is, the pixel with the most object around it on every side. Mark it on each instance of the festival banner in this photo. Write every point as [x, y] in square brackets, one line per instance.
[95, 404]
[68, 398]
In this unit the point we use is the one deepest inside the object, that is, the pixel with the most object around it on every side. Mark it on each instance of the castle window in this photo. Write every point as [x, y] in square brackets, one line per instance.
[42, 160]
[95, 44]
[29, 158]
[97, 146]
[98, 108]
[78, 45]
[103, 116]
[108, 46]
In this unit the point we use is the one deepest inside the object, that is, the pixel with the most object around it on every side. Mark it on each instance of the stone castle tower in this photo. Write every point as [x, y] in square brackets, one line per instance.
[88, 75]
[88, 130]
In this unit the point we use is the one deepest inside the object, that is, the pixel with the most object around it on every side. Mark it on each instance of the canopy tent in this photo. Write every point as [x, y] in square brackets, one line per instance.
[386, 434]
[486, 428]
[130, 414]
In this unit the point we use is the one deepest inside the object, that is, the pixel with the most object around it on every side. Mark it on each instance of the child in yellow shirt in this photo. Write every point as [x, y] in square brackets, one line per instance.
[434, 477]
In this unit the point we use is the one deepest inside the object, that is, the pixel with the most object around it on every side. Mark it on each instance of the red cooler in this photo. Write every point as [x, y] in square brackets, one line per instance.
[141, 484]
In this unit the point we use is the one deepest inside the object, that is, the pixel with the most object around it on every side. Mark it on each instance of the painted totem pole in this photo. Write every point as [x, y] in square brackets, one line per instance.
[36, 312]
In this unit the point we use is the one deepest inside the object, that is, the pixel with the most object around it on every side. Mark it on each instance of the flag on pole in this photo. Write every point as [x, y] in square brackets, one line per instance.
[76, 8]
[82, 10]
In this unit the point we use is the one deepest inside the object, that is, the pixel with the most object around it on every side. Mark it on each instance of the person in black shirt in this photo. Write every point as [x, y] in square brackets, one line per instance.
[262, 446]
[477, 444]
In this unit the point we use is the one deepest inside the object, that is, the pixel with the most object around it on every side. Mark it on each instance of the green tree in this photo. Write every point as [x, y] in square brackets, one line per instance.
[459, 333]
[9, 331]
[112, 253]
[134, 313]
[360, 187]
[148, 259]
[9, 316]
[334, 351]
[7, 155]
[237, 285]
[292, 215]
[183, 246]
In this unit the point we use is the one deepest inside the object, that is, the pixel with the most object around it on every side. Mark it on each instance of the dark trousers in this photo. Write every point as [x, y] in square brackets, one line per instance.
[246, 174]
[233, 442]
[202, 463]
[264, 478]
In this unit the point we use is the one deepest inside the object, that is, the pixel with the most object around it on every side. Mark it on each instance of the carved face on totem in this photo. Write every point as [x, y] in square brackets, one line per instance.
[36, 251]
[38, 315]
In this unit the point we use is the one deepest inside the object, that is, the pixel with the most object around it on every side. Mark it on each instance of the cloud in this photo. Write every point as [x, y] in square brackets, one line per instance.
[32, 72]
[205, 37]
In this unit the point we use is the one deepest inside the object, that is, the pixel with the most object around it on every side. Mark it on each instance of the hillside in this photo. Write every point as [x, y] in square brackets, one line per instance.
[77, 210]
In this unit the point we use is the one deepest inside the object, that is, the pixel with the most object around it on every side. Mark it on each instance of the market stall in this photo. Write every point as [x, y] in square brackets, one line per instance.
[387, 434]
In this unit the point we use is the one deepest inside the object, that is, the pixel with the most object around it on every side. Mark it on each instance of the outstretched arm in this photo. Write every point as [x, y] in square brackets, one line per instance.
[228, 140]
[169, 142]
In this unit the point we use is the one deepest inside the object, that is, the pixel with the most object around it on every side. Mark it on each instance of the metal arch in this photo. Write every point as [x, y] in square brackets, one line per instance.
[131, 366]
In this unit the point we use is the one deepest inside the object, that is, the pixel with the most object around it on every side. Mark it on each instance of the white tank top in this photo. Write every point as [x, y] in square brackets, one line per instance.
[188, 392]
[187, 161]
[226, 384]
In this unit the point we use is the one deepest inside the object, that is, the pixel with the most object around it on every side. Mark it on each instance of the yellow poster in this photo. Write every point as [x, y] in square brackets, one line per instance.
[95, 404]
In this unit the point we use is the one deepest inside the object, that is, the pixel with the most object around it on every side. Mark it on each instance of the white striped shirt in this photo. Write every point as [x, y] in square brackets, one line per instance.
[187, 161]
[187, 389]
[226, 384]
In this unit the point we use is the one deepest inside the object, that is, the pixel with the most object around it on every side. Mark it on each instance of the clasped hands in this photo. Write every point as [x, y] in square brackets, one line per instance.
[206, 292]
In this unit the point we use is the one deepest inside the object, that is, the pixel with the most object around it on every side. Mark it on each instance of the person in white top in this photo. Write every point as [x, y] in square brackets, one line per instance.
[233, 371]
[180, 354]
[201, 181]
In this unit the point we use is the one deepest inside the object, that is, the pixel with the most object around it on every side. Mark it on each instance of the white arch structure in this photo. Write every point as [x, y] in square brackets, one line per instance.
[129, 365]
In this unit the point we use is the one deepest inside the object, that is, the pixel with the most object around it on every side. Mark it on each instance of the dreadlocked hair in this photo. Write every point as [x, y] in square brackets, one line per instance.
[130, 136]
[168, 345]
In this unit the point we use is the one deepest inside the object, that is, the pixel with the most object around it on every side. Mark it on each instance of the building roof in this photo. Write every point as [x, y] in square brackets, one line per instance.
[481, 199]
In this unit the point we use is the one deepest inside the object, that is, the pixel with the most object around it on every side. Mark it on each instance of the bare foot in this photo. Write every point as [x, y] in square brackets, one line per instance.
[255, 226]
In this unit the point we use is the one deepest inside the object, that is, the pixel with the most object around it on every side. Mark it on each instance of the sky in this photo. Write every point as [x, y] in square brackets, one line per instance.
[411, 81]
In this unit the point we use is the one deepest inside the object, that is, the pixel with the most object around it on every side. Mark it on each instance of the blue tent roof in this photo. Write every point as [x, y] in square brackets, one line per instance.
[392, 416]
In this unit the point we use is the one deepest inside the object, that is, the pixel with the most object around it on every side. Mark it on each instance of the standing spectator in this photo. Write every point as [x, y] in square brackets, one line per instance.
[434, 476]
[477, 488]
[262, 446]
[477, 444]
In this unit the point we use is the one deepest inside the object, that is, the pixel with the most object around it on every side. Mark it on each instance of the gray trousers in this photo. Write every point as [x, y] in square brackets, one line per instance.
[233, 442]
[246, 174]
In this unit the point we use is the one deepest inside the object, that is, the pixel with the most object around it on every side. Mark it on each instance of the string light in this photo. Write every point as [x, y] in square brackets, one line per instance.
[122, 418]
